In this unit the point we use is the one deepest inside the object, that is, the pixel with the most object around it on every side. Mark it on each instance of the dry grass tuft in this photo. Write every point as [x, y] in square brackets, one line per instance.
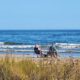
[43, 69]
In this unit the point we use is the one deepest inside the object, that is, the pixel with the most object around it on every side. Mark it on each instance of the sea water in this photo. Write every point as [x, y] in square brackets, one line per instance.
[67, 40]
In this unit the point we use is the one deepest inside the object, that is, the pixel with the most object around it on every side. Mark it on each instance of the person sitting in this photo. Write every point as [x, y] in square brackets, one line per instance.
[52, 51]
[37, 50]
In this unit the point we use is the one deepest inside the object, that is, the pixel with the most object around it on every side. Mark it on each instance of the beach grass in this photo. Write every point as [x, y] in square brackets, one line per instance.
[39, 69]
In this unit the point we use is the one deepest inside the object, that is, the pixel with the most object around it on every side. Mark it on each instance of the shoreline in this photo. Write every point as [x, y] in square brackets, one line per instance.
[18, 57]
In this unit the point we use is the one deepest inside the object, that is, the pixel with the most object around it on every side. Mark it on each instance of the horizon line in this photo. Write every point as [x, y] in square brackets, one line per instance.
[39, 29]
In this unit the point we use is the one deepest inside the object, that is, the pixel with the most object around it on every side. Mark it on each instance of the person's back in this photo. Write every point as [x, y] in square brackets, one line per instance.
[36, 50]
[52, 51]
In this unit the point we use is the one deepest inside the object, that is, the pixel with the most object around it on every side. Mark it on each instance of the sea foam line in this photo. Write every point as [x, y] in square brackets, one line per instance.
[60, 45]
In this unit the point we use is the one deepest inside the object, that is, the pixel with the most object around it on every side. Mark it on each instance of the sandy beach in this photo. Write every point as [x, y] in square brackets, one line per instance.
[20, 57]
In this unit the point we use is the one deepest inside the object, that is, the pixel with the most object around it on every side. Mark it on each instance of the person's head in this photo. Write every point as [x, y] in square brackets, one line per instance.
[36, 45]
[52, 44]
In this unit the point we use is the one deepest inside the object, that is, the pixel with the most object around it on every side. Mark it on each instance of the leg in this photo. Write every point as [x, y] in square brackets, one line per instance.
[55, 54]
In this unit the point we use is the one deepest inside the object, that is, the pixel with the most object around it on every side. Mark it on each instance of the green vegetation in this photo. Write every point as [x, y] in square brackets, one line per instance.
[44, 69]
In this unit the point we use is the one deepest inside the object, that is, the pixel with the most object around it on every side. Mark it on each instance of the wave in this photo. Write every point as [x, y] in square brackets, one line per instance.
[68, 45]
[16, 46]
[60, 47]
[20, 45]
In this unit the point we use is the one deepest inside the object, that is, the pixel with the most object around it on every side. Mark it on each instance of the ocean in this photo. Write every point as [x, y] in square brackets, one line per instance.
[44, 37]
[40, 36]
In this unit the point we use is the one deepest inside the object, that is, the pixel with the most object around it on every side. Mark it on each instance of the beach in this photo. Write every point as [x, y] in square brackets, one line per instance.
[39, 39]
[18, 60]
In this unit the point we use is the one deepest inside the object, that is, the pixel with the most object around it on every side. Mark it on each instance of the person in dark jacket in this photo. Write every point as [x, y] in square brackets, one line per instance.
[37, 50]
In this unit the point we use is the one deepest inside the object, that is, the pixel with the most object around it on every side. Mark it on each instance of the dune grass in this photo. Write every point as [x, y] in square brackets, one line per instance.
[44, 69]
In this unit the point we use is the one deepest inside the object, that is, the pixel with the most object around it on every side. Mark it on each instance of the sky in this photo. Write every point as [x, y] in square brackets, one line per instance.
[39, 14]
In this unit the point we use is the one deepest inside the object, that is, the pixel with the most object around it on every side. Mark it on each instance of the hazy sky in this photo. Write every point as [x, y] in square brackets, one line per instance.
[39, 14]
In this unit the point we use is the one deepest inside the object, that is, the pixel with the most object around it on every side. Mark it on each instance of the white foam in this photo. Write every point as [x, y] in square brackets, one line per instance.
[1, 43]
[16, 46]
[61, 45]
[67, 45]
